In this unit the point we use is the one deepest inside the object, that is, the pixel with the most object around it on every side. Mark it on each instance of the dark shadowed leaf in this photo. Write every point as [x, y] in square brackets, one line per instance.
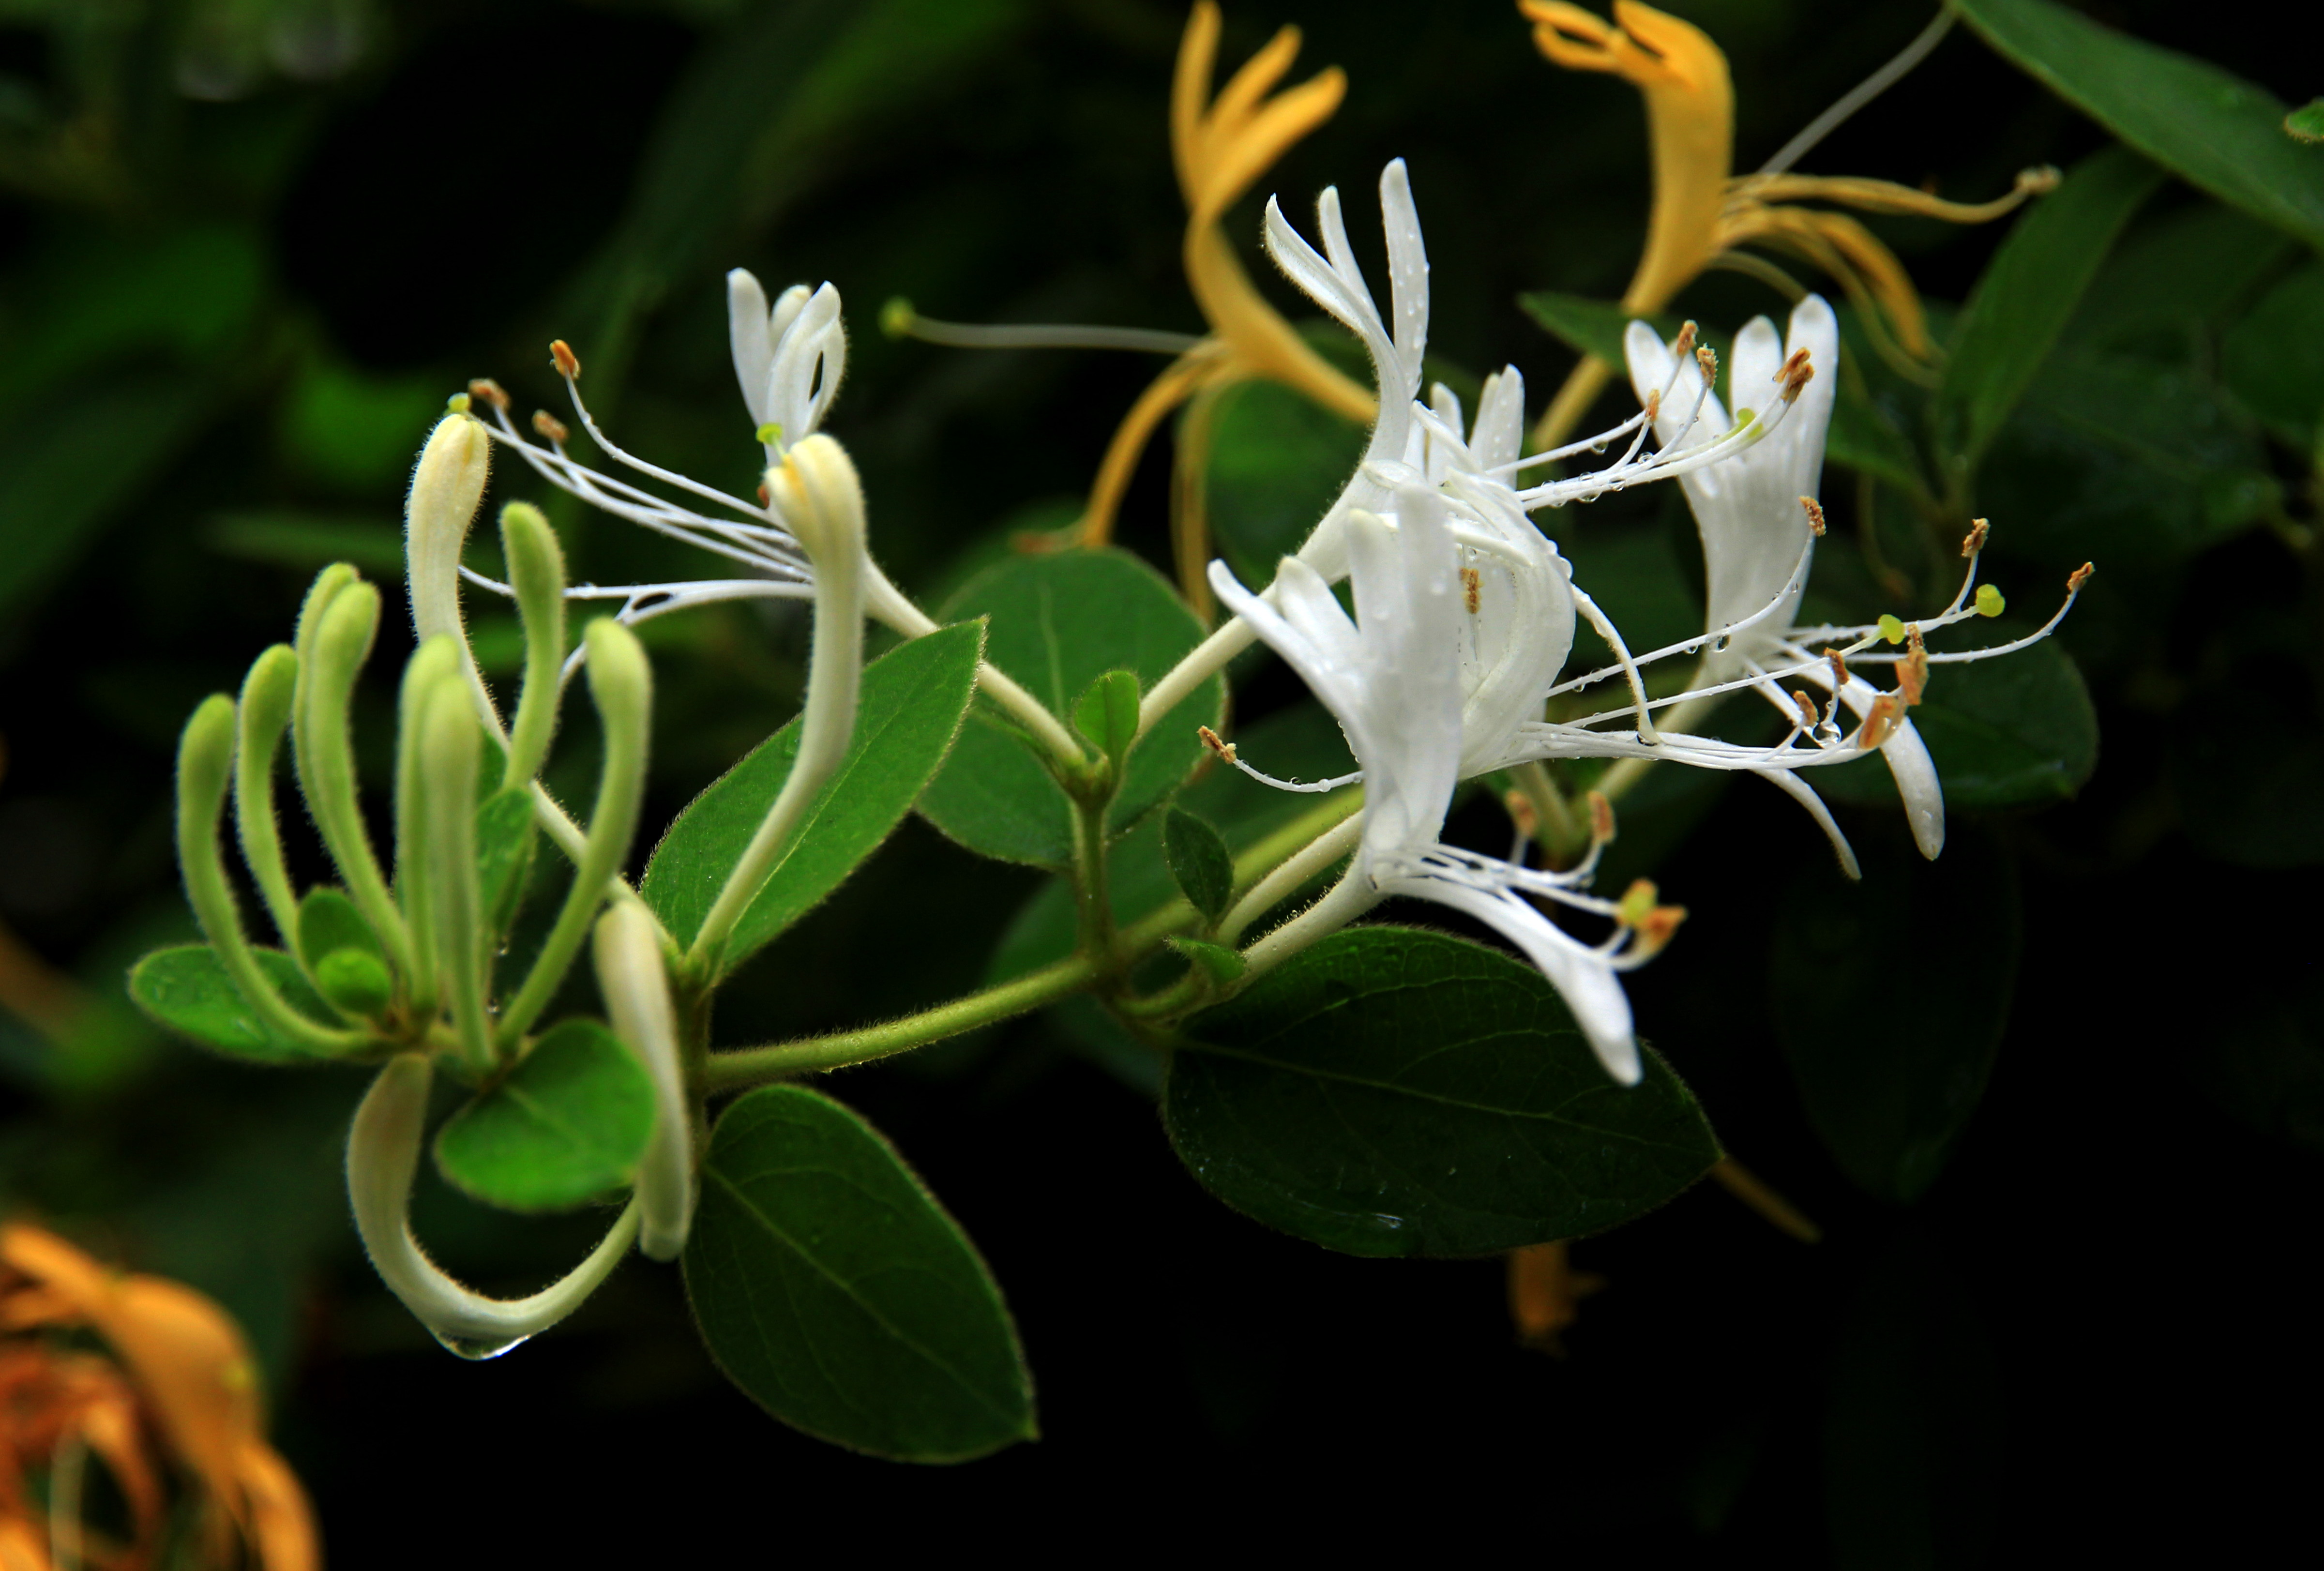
[2273, 359]
[329, 922]
[1889, 999]
[833, 1290]
[568, 1124]
[1278, 461]
[2221, 133]
[1391, 1091]
[912, 701]
[1059, 623]
[187, 990]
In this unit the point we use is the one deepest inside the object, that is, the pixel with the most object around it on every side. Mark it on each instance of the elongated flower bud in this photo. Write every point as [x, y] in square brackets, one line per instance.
[447, 486]
[450, 750]
[536, 570]
[327, 671]
[636, 988]
[264, 712]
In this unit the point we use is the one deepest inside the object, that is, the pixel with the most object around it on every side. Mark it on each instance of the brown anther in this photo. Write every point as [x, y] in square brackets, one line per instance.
[549, 425]
[1683, 344]
[1839, 665]
[1657, 929]
[2080, 576]
[1472, 585]
[766, 497]
[485, 390]
[1974, 540]
[1601, 818]
[1216, 744]
[1636, 905]
[1708, 358]
[1814, 510]
[1796, 374]
[1521, 813]
[1880, 723]
[567, 365]
[1913, 670]
[1654, 404]
[1808, 715]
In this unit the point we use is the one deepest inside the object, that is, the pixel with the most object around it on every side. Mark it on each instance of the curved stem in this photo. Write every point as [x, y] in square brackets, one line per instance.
[1289, 875]
[1342, 903]
[1205, 661]
[887, 604]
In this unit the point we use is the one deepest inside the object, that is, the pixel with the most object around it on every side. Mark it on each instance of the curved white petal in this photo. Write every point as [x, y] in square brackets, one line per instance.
[750, 339]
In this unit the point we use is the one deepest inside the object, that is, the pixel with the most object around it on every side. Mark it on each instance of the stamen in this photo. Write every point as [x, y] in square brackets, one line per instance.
[1839, 665]
[1683, 344]
[1654, 930]
[1796, 374]
[1974, 541]
[485, 390]
[2080, 576]
[568, 365]
[1880, 723]
[1814, 510]
[1912, 671]
[1472, 587]
[1808, 717]
[1602, 818]
[1217, 744]
[1708, 358]
[1637, 905]
[549, 425]
[1989, 602]
[1654, 404]
[1521, 813]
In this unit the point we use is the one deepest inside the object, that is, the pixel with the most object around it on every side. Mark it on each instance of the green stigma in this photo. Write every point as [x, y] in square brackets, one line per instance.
[896, 317]
[771, 434]
[1891, 629]
[1989, 602]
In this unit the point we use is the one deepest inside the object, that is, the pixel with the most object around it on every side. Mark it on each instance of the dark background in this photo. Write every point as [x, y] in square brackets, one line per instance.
[235, 286]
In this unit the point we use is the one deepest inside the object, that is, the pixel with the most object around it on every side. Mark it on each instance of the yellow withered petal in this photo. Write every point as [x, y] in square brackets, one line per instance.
[1880, 195]
[1866, 270]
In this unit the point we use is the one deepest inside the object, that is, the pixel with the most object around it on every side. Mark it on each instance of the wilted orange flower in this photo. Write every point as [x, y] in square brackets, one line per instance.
[178, 1393]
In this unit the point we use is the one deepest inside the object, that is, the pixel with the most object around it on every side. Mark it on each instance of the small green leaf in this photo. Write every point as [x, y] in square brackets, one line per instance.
[1107, 715]
[355, 980]
[833, 1289]
[2306, 123]
[2027, 294]
[2222, 134]
[1059, 623]
[2273, 359]
[568, 1124]
[1199, 860]
[506, 832]
[1391, 1091]
[1890, 996]
[913, 698]
[328, 922]
[1221, 965]
[187, 990]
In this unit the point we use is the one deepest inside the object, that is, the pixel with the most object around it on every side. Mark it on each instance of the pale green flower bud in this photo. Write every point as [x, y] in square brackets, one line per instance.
[536, 570]
[636, 988]
[447, 487]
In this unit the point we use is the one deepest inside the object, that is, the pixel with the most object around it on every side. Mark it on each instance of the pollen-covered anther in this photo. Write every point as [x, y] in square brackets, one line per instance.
[1707, 357]
[568, 364]
[766, 497]
[1521, 813]
[1471, 587]
[1880, 722]
[1814, 510]
[1654, 404]
[1637, 903]
[2080, 576]
[1808, 717]
[1839, 665]
[1797, 373]
[1913, 670]
[549, 425]
[1974, 542]
[1655, 929]
[1683, 344]
[1602, 818]
[485, 390]
[1216, 744]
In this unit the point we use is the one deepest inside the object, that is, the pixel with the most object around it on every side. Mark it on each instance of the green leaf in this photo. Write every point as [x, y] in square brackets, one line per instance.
[912, 701]
[2306, 123]
[1199, 861]
[2222, 134]
[833, 1289]
[1221, 965]
[506, 834]
[187, 990]
[1059, 623]
[1890, 996]
[355, 980]
[568, 1124]
[1391, 1091]
[328, 922]
[1865, 439]
[1277, 462]
[1588, 327]
[2173, 274]
[2028, 293]
[2273, 359]
[1914, 1423]
[2015, 731]
[1107, 715]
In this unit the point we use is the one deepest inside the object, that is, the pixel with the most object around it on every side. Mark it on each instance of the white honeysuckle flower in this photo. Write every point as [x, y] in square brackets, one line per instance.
[789, 358]
[1393, 677]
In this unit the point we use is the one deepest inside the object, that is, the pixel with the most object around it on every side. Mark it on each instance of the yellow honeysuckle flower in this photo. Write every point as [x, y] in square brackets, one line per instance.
[1703, 212]
[1220, 145]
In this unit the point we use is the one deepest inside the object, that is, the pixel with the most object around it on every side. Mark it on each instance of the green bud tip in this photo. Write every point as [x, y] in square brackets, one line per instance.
[620, 678]
[1989, 602]
[1893, 630]
[456, 405]
[896, 318]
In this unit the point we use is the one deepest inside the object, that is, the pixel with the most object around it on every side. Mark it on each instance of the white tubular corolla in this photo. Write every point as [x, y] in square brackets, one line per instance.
[636, 987]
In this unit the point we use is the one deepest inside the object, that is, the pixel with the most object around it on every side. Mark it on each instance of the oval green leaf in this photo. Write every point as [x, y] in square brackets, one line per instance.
[2219, 132]
[913, 698]
[1890, 996]
[187, 990]
[831, 1287]
[2028, 293]
[328, 922]
[1059, 622]
[1392, 1092]
[1199, 861]
[568, 1124]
